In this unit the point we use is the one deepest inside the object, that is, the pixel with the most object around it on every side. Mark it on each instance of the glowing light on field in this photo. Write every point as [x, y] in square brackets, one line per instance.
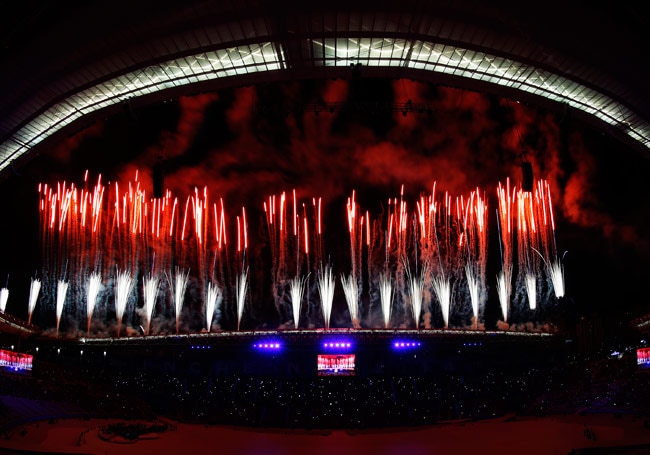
[386, 296]
[326, 285]
[351, 290]
[150, 289]
[94, 286]
[123, 287]
[442, 289]
[297, 289]
[61, 291]
[531, 290]
[4, 296]
[34, 290]
[212, 303]
[401, 345]
[241, 286]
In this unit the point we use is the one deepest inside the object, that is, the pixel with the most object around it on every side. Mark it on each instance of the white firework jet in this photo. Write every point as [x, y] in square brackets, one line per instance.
[150, 289]
[531, 290]
[213, 301]
[34, 290]
[556, 272]
[94, 285]
[474, 291]
[297, 289]
[386, 297]
[61, 291]
[351, 290]
[4, 296]
[416, 291]
[178, 286]
[241, 286]
[123, 287]
[503, 291]
[326, 284]
[442, 288]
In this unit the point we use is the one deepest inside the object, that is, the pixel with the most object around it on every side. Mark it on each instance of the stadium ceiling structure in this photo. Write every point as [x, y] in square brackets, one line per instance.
[63, 67]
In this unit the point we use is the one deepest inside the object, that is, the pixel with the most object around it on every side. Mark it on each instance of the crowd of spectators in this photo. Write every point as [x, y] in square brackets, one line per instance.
[372, 401]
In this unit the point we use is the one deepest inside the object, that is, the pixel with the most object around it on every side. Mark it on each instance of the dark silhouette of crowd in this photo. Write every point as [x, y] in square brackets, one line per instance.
[610, 384]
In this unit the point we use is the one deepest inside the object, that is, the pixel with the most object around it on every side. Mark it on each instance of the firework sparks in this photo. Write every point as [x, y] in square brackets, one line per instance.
[326, 285]
[4, 296]
[416, 288]
[241, 284]
[34, 290]
[213, 301]
[61, 292]
[531, 290]
[150, 288]
[503, 290]
[297, 288]
[123, 287]
[473, 285]
[94, 286]
[386, 296]
[178, 285]
[442, 288]
[351, 290]
[556, 272]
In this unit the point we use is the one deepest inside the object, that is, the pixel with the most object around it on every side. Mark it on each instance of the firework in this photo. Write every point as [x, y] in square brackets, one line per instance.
[297, 290]
[4, 296]
[178, 285]
[213, 300]
[442, 288]
[531, 290]
[150, 287]
[326, 285]
[123, 287]
[61, 291]
[241, 285]
[416, 288]
[34, 290]
[386, 296]
[94, 285]
[351, 290]
[503, 290]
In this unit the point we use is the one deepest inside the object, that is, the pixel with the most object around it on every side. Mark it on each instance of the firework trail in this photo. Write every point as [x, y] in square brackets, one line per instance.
[123, 287]
[351, 290]
[326, 285]
[4, 296]
[61, 291]
[94, 286]
[297, 288]
[531, 290]
[556, 272]
[442, 288]
[386, 295]
[474, 290]
[416, 287]
[178, 286]
[505, 215]
[503, 291]
[34, 289]
[241, 285]
[213, 301]
[150, 289]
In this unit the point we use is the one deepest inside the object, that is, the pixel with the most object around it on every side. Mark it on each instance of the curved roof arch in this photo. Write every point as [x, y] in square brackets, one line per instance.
[162, 54]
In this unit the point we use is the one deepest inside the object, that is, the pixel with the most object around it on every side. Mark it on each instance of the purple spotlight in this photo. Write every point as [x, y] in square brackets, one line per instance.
[404, 345]
[337, 345]
[268, 346]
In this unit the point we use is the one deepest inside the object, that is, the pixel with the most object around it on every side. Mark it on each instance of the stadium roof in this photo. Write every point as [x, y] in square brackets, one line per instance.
[64, 65]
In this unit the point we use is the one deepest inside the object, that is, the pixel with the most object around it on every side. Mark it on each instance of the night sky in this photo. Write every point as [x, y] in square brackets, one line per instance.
[247, 143]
